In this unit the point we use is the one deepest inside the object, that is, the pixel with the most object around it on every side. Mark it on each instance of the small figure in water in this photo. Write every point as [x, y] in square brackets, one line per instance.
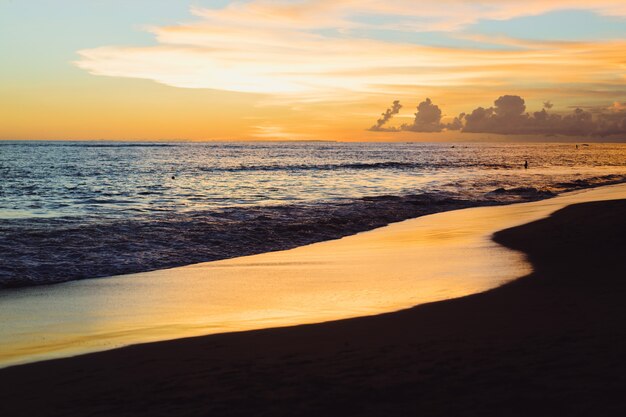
[173, 177]
[525, 164]
[576, 146]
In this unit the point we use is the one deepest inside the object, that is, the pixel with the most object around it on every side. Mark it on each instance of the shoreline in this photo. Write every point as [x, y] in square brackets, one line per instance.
[431, 258]
[551, 343]
[126, 246]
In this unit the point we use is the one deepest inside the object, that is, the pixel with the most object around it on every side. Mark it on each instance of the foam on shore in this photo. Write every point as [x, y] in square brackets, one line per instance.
[427, 259]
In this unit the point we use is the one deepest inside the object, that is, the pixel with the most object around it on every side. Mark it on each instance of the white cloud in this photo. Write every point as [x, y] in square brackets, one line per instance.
[272, 47]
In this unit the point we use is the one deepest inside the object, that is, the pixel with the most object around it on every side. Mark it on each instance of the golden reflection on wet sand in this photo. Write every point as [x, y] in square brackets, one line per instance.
[430, 258]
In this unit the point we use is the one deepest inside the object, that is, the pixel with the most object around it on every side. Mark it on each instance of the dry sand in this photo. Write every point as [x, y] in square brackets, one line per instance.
[549, 344]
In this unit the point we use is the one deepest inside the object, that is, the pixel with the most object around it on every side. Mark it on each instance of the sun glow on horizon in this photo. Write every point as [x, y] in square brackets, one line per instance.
[320, 67]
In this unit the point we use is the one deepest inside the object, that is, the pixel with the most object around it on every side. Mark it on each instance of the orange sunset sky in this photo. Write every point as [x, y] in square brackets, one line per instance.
[304, 70]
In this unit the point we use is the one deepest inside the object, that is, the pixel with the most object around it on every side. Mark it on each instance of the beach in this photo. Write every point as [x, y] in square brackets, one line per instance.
[103, 209]
[306, 208]
[430, 258]
[548, 343]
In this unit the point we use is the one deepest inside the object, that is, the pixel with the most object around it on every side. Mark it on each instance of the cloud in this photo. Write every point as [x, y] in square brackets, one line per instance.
[617, 107]
[611, 123]
[272, 132]
[409, 15]
[310, 49]
[427, 118]
[456, 123]
[508, 116]
[451, 15]
[386, 116]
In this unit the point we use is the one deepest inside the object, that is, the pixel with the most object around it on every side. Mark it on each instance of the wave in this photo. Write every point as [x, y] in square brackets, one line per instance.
[38, 251]
[354, 166]
[88, 145]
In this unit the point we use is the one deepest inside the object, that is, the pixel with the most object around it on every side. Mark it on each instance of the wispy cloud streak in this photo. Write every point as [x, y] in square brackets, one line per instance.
[308, 49]
[386, 117]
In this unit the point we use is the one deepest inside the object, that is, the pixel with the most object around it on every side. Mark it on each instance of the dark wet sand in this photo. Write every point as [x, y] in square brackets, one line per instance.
[550, 344]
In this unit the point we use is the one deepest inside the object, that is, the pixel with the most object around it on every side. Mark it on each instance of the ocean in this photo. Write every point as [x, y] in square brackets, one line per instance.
[75, 210]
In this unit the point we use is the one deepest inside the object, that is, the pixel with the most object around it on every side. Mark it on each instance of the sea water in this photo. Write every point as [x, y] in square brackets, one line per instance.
[74, 210]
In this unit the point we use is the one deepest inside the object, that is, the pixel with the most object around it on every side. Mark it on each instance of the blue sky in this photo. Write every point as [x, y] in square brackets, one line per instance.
[302, 58]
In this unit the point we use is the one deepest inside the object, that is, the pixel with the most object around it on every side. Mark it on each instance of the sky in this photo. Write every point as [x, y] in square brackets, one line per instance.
[309, 70]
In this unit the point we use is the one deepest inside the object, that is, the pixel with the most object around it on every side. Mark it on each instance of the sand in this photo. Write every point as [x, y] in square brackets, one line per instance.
[431, 258]
[551, 343]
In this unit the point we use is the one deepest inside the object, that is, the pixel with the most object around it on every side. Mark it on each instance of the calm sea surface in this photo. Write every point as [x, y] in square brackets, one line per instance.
[72, 210]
